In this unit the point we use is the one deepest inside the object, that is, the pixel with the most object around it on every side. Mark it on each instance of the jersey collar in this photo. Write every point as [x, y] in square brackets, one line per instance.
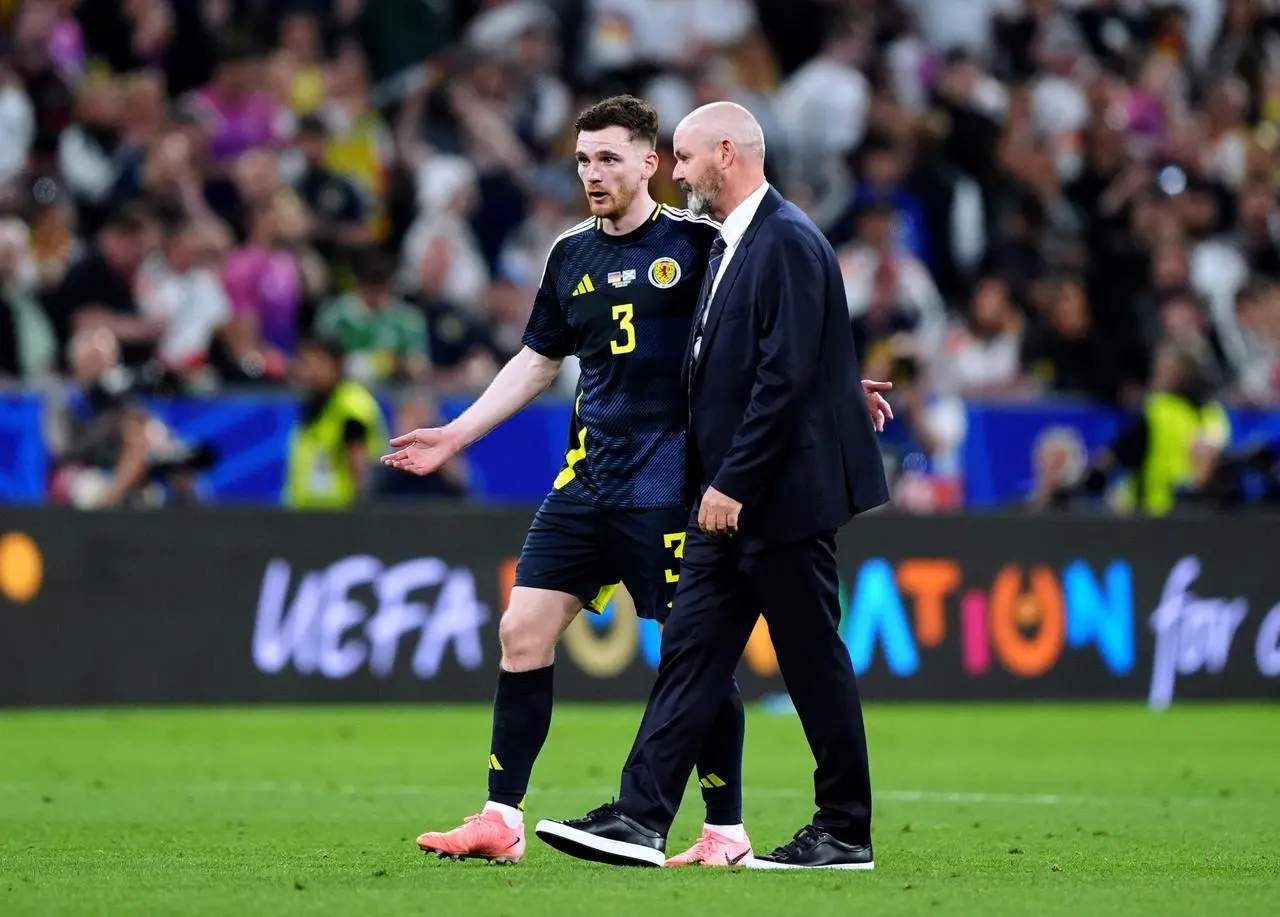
[632, 236]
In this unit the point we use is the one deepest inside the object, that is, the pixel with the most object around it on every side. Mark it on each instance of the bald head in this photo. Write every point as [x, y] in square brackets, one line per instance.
[719, 157]
[719, 122]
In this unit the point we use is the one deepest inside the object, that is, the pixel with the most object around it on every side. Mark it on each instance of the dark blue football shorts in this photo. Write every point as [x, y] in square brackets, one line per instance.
[588, 551]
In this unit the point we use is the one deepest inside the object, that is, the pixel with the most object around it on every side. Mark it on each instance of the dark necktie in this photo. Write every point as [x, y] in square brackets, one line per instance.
[704, 295]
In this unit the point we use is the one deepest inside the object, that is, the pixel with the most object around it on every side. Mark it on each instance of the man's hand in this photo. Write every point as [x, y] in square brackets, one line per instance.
[424, 450]
[877, 407]
[718, 514]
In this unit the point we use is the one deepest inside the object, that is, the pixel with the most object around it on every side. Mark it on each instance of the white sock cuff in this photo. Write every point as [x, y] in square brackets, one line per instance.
[513, 817]
[732, 832]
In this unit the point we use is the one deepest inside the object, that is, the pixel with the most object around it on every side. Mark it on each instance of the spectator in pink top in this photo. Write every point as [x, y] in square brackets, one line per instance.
[240, 116]
[66, 41]
[269, 280]
[264, 284]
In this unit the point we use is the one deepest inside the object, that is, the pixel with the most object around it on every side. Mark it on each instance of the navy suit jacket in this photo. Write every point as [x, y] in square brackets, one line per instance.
[777, 416]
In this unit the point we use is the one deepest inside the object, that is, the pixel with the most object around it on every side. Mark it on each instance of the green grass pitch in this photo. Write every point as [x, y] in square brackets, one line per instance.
[986, 811]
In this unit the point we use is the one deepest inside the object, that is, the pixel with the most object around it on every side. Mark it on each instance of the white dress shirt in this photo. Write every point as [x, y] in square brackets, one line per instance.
[732, 230]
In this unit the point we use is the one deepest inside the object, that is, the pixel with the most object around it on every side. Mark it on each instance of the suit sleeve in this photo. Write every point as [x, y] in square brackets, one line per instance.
[548, 331]
[791, 307]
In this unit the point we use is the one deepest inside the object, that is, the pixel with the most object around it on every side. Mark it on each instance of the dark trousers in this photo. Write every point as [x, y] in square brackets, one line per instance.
[720, 595]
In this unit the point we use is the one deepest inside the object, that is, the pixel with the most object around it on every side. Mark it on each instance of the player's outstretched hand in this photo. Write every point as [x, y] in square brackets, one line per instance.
[423, 451]
[877, 406]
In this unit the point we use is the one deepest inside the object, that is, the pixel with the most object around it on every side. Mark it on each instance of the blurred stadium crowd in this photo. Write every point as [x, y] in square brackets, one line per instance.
[1028, 197]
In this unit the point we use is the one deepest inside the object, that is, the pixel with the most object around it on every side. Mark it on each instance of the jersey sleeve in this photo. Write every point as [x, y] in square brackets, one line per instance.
[548, 331]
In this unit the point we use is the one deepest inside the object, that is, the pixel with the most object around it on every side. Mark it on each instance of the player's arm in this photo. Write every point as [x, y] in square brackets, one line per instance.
[526, 376]
[548, 339]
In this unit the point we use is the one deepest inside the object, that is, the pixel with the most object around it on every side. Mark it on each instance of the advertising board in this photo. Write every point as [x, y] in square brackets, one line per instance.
[263, 606]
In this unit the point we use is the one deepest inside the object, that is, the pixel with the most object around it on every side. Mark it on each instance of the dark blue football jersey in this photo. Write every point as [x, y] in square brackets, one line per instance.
[624, 306]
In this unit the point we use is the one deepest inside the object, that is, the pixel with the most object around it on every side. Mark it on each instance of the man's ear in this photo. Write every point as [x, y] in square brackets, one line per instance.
[728, 153]
[650, 164]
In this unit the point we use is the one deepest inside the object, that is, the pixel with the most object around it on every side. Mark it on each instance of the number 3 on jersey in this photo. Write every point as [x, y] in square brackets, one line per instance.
[622, 315]
[674, 540]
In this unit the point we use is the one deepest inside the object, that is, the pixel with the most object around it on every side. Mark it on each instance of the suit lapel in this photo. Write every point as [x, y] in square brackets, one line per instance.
[727, 280]
[771, 201]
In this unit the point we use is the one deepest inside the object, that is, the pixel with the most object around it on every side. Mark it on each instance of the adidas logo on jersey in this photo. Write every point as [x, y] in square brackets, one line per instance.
[584, 286]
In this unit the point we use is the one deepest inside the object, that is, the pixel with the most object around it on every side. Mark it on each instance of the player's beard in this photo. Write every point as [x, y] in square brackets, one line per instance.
[615, 207]
[702, 194]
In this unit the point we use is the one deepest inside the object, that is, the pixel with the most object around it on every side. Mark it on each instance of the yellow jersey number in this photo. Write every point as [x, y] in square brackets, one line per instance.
[674, 540]
[622, 315]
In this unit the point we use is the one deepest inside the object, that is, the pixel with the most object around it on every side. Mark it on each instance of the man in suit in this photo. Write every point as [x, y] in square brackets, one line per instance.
[781, 452]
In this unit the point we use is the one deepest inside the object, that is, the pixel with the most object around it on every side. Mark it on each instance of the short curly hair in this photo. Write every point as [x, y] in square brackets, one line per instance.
[636, 115]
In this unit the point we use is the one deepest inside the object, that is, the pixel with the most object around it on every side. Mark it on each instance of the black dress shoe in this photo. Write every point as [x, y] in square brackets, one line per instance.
[813, 848]
[605, 835]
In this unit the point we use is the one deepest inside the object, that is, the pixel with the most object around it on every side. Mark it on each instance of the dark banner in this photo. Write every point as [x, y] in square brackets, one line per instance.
[260, 606]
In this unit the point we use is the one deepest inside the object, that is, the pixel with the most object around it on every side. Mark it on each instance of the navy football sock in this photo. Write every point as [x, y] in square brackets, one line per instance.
[521, 721]
[720, 763]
